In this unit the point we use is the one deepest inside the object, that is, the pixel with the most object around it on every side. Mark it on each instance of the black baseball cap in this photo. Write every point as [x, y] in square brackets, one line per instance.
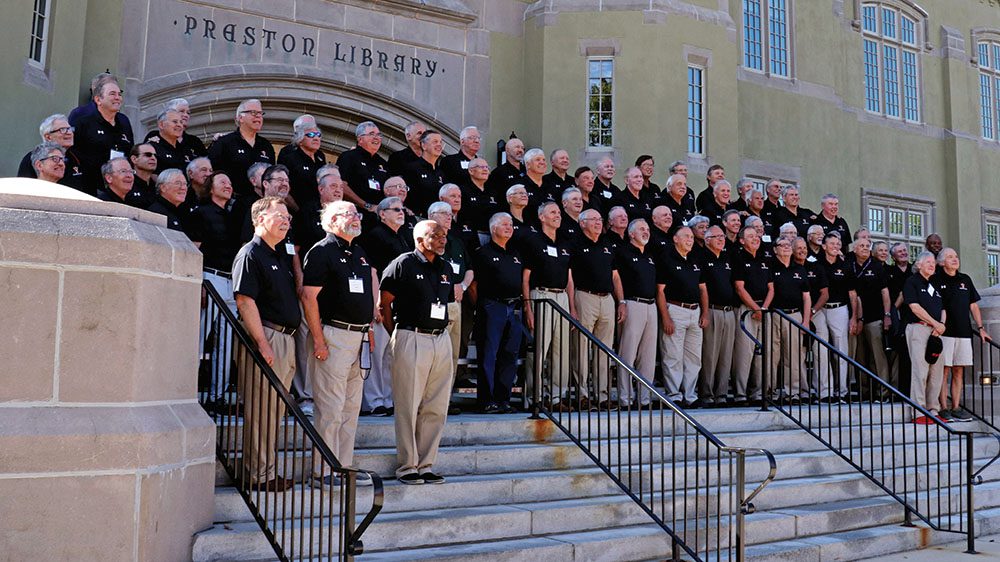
[933, 350]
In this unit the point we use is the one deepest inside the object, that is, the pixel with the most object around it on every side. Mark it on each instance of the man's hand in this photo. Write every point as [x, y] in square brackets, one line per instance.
[622, 312]
[703, 320]
[320, 350]
[459, 292]
[757, 315]
[938, 329]
[266, 352]
[529, 319]
[668, 326]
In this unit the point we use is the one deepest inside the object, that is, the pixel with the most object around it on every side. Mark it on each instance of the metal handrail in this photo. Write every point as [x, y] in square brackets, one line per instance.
[987, 349]
[805, 419]
[280, 522]
[693, 538]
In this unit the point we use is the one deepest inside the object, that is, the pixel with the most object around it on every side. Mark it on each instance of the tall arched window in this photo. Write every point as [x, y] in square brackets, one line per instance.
[766, 41]
[891, 61]
[989, 88]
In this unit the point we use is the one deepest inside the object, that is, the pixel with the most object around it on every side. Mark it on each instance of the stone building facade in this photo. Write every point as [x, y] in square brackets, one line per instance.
[892, 104]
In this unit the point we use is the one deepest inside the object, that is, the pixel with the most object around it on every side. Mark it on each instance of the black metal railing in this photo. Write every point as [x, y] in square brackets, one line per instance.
[263, 434]
[687, 480]
[929, 467]
[980, 382]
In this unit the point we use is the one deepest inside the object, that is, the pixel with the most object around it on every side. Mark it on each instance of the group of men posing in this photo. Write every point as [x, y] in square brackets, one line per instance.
[652, 271]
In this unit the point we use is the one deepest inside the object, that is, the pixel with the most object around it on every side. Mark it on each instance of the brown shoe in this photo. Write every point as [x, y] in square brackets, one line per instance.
[561, 407]
[586, 405]
[274, 485]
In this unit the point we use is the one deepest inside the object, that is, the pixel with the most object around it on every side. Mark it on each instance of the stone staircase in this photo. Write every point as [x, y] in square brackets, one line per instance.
[518, 489]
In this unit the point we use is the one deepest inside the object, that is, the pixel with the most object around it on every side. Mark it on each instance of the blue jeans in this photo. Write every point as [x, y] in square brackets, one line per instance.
[498, 345]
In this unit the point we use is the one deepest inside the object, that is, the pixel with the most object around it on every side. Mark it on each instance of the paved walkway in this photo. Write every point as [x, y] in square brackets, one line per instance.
[988, 547]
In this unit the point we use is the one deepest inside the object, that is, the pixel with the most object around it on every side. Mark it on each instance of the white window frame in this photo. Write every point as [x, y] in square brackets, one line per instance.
[611, 130]
[907, 208]
[988, 64]
[41, 21]
[766, 36]
[991, 244]
[881, 36]
[696, 140]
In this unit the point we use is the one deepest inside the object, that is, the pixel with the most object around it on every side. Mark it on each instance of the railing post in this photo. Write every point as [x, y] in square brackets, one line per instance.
[536, 391]
[970, 508]
[740, 511]
[763, 358]
[350, 505]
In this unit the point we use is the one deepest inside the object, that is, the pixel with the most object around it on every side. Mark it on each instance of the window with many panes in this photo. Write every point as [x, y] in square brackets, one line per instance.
[766, 44]
[696, 109]
[899, 219]
[989, 89]
[891, 62]
[39, 32]
[991, 242]
[600, 102]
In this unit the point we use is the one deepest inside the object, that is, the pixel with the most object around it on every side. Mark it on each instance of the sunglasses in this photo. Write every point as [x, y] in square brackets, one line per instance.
[314, 134]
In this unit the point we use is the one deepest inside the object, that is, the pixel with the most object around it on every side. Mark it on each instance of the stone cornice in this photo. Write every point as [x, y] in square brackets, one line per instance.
[676, 7]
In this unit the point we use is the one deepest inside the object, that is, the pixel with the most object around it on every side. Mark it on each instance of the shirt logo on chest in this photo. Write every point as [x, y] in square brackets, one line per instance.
[274, 267]
[420, 276]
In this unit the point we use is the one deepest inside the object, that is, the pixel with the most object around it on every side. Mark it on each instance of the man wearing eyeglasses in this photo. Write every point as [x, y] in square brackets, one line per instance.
[49, 161]
[364, 169]
[56, 129]
[102, 135]
[455, 167]
[235, 152]
[118, 181]
[399, 160]
[170, 150]
[303, 157]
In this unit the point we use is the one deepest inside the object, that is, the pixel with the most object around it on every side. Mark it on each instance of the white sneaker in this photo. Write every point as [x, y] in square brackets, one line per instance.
[307, 407]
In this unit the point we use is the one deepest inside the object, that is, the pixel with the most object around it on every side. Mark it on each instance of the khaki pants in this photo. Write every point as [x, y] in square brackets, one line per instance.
[556, 351]
[263, 409]
[337, 388]
[925, 380]
[597, 315]
[746, 365]
[681, 354]
[455, 332]
[421, 383]
[637, 348]
[833, 371]
[378, 386]
[717, 355]
[787, 352]
[875, 359]
[302, 383]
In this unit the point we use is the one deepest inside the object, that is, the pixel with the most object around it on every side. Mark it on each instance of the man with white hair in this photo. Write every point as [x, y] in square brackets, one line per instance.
[637, 344]
[830, 219]
[189, 141]
[423, 176]
[559, 179]
[633, 198]
[455, 167]
[677, 199]
[604, 185]
[363, 168]
[56, 129]
[792, 212]
[235, 152]
[457, 258]
[303, 157]
[960, 300]
[170, 149]
[339, 296]
[510, 172]
[49, 162]
[401, 158]
[104, 134]
[413, 303]
[925, 315]
[715, 208]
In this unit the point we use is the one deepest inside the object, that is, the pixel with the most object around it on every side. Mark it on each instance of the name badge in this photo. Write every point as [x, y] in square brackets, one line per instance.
[372, 184]
[765, 238]
[551, 250]
[455, 268]
[811, 259]
[930, 290]
[290, 248]
[355, 285]
[116, 154]
[465, 165]
[438, 311]
[606, 194]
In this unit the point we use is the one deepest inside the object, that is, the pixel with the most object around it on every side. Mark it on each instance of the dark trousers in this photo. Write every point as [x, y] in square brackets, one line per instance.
[498, 327]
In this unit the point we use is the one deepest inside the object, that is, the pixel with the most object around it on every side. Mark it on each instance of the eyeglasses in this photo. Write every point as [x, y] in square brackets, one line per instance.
[281, 216]
[399, 187]
[349, 214]
[253, 112]
[62, 130]
[394, 209]
[472, 138]
[126, 172]
[714, 236]
[482, 167]
[148, 154]
[314, 134]
[373, 134]
[55, 159]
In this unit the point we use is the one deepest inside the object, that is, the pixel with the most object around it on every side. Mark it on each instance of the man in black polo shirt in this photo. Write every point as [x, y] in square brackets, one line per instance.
[661, 231]
[604, 185]
[546, 276]
[559, 179]
[839, 314]
[754, 288]
[637, 344]
[717, 344]
[831, 221]
[170, 150]
[364, 170]
[633, 199]
[597, 289]
[423, 176]
[794, 213]
[455, 167]
[338, 299]
[118, 179]
[676, 198]
[717, 206]
[960, 298]
[772, 204]
[103, 135]
[269, 310]
[384, 243]
[235, 152]
[925, 316]
[496, 291]
[398, 160]
[171, 190]
[415, 293]
[715, 174]
[682, 299]
[509, 173]
[791, 296]
[303, 157]
[875, 319]
[143, 160]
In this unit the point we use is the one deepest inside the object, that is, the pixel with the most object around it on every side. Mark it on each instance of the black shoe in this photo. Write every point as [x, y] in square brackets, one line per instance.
[380, 412]
[492, 409]
[507, 408]
[740, 403]
[431, 478]
[454, 411]
[273, 485]
[365, 413]
[390, 411]
[607, 406]
[412, 478]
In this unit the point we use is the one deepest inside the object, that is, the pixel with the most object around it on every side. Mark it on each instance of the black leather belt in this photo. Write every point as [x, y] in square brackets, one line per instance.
[550, 290]
[512, 301]
[279, 328]
[687, 305]
[218, 272]
[722, 308]
[424, 331]
[593, 293]
[642, 300]
[834, 304]
[347, 326]
[789, 310]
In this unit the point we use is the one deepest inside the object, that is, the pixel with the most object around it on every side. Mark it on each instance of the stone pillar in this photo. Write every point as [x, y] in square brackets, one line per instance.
[105, 453]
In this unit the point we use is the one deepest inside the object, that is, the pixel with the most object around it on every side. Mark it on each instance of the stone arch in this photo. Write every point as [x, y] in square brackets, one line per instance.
[287, 92]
